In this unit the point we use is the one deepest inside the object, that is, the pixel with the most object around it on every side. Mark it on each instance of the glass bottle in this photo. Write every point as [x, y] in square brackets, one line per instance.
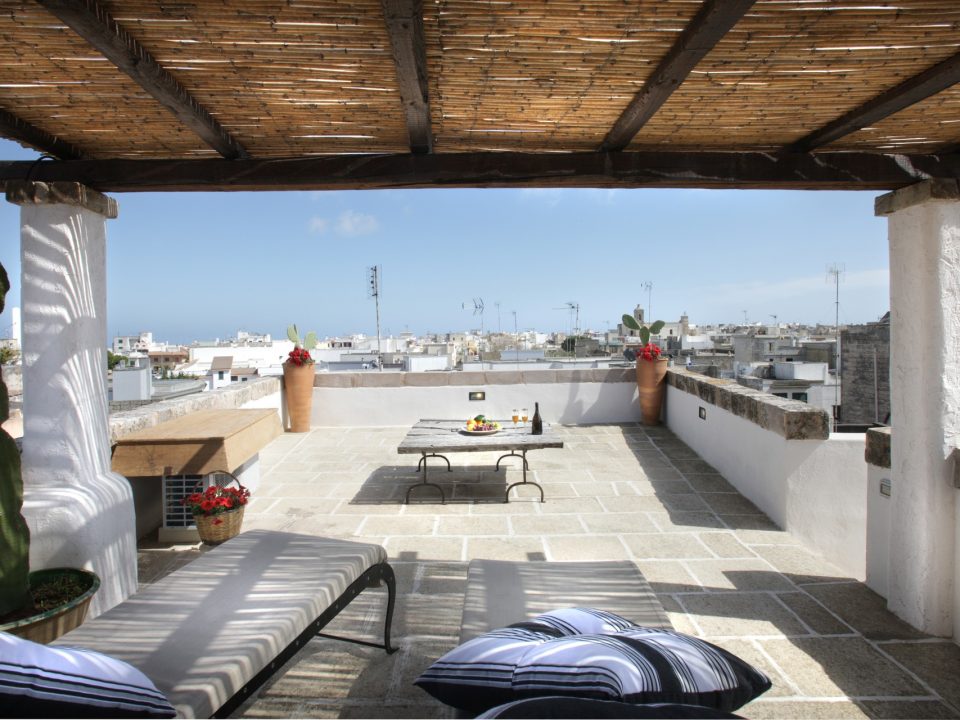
[536, 425]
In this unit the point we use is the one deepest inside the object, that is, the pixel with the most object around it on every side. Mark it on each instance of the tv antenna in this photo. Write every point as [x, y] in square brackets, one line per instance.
[835, 271]
[648, 286]
[478, 310]
[374, 291]
[574, 309]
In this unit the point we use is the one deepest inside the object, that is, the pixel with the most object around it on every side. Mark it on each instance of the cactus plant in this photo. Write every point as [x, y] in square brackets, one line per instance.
[14, 533]
[309, 342]
[645, 330]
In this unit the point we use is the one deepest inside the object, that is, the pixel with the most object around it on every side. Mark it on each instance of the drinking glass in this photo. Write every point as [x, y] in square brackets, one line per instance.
[523, 416]
[516, 416]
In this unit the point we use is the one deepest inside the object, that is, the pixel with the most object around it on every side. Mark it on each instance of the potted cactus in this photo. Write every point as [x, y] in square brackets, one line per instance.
[651, 370]
[44, 604]
[298, 373]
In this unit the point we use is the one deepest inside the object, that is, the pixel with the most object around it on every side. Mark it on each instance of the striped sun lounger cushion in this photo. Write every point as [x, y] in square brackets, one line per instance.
[41, 681]
[558, 706]
[614, 661]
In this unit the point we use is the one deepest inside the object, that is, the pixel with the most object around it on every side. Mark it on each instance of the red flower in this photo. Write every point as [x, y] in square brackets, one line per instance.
[650, 352]
[207, 505]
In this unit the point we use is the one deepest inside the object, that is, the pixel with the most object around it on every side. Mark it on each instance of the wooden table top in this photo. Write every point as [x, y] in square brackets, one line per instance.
[445, 436]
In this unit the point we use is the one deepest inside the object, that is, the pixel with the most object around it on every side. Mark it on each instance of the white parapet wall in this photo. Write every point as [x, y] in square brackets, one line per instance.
[780, 455]
[574, 397]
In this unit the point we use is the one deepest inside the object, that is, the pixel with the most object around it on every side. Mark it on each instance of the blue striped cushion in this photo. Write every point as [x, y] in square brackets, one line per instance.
[41, 681]
[635, 665]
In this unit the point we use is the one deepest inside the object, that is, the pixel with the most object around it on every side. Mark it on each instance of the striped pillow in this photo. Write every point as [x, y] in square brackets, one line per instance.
[634, 665]
[41, 681]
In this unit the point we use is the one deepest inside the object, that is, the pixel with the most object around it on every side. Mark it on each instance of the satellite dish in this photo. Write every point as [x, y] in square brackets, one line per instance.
[630, 354]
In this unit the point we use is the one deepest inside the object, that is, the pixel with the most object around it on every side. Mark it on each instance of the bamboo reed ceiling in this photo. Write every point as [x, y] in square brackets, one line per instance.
[424, 83]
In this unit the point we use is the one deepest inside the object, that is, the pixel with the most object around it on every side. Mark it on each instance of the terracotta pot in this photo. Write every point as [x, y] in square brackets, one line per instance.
[48, 626]
[651, 386]
[298, 387]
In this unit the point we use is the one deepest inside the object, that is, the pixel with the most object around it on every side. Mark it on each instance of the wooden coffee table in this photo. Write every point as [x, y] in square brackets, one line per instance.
[433, 438]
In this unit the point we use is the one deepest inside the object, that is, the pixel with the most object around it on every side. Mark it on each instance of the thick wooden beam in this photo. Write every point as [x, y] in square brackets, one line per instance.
[826, 171]
[89, 20]
[14, 128]
[708, 26]
[907, 93]
[405, 24]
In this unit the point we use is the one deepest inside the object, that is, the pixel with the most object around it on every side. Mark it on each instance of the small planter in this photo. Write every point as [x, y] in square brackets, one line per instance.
[47, 626]
[298, 386]
[216, 529]
[651, 387]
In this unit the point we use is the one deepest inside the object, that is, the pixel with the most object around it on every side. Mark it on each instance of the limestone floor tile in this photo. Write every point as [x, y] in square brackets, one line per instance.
[741, 614]
[596, 489]
[683, 521]
[657, 546]
[709, 483]
[749, 651]
[668, 576]
[440, 578]
[516, 548]
[485, 525]
[677, 616]
[693, 464]
[634, 504]
[799, 564]
[595, 547]
[775, 709]
[407, 525]
[343, 526]
[730, 504]
[684, 503]
[562, 506]
[843, 667]
[427, 616]
[864, 610]
[410, 548]
[546, 525]
[908, 709]
[726, 545]
[744, 574]
[937, 663]
[818, 618]
[617, 523]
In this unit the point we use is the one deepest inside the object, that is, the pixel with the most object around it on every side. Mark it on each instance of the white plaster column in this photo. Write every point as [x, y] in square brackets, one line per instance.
[924, 236]
[79, 512]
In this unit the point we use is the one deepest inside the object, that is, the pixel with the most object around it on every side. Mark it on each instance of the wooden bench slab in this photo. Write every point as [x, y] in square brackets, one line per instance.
[209, 633]
[501, 592]
[199, 443]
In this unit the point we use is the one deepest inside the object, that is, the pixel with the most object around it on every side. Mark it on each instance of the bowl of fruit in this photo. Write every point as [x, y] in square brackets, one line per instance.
[480, 425]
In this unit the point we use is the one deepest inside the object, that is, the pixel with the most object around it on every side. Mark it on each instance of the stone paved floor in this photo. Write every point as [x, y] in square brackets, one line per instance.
[722, 570]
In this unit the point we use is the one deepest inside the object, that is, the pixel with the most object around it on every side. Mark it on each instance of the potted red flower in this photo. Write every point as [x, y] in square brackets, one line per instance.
[298, 373]
[218, 512]
[651, 370]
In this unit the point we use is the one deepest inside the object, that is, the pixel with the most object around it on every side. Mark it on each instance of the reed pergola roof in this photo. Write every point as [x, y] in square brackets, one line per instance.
[307, 94]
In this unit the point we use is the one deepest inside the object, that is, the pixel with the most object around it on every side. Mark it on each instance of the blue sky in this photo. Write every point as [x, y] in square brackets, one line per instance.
[204, 265]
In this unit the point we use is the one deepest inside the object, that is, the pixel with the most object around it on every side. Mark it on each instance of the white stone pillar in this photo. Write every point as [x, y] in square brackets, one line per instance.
[79, 512]
[924, 235]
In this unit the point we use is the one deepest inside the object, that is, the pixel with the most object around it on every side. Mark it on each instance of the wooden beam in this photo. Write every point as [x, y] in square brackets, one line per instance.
[911, 91]
[404, 20]
[89, 20]
[827, 171]
[708, 26]
[14, 128]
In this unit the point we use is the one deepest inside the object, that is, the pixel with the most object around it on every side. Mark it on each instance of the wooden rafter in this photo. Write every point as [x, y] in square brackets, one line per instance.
[911, 91]
[833, 171]
[404, 20]
[714, 20]
[16, 129]
[89, 20]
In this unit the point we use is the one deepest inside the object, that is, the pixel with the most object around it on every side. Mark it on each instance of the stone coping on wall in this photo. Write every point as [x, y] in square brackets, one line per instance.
[387, 379]
[793, 419]
[234, 395]
[877, 451]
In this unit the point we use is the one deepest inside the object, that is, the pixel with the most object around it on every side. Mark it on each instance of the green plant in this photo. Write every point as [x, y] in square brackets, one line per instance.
[113, 360]
[8, 355]
[645, 330]
[14, 533]
[307, 343]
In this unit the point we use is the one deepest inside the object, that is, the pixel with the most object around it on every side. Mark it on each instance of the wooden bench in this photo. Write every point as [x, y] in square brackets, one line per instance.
[500, 593]
[209, 634]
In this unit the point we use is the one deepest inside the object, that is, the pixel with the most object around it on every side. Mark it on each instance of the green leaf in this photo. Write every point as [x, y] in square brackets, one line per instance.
[631, 322]
[310, 341]
[656, 327]
[645, 334]
[293, 335]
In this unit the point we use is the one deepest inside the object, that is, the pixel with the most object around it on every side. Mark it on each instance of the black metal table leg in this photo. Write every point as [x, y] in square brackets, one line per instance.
[513, 453]
[423, 462]
[506, 495]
